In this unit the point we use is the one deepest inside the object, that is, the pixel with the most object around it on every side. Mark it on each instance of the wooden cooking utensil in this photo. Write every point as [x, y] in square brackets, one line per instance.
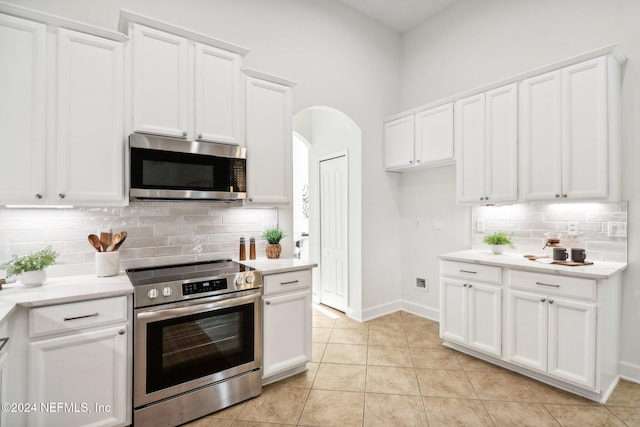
[123, 236]
[95, 242]
[105, 240]
[114, 241]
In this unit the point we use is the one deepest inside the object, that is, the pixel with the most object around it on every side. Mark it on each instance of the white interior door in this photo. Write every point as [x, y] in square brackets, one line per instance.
[333, 233]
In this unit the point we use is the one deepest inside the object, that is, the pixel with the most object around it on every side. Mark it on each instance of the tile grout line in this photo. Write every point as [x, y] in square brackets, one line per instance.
[415, 373]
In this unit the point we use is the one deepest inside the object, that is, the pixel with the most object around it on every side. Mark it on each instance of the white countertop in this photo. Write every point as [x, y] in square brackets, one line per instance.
[597, 270]
[279, 265]
[59, 290]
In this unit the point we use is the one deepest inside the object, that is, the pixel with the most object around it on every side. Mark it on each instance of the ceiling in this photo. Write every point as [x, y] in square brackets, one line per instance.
[398, 15]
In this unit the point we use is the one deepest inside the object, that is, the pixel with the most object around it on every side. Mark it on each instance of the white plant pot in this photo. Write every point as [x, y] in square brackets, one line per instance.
[497, 249]
[33, 278]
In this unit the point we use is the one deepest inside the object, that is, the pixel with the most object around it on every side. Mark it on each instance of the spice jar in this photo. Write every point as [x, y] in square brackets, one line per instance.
[243, 249]
[252, 248]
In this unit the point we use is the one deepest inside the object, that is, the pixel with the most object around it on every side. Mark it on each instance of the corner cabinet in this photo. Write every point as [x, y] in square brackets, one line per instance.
[75, 80]
[569, 132]
[184, 85]
[269, 138]
[423, 139]
[287, 324]
[486, 138]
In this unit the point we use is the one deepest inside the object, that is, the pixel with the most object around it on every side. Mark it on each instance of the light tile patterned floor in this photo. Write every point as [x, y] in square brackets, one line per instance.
[394, 371]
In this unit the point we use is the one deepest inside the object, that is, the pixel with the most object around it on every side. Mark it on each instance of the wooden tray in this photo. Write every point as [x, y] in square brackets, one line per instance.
[567, 263]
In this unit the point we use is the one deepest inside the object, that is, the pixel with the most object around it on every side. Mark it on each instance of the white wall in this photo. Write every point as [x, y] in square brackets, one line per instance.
[339, 59]
[474, 43]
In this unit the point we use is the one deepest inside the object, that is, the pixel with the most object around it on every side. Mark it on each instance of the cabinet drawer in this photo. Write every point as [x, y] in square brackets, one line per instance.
[479, 272]
[77, 315]
[283, 282]
[554, 285]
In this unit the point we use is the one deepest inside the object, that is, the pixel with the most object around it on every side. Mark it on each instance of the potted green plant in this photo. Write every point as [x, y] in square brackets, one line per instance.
[31, 268]
[498, 241]
[273, 237]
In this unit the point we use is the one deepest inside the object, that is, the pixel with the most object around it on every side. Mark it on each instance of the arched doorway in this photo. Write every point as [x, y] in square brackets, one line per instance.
[334, 151]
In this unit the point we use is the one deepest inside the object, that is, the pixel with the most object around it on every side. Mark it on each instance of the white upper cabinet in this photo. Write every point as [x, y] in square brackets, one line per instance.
[90, 118]
[434, 135]
[486, 138]
[566, 148]
[269, 139]
[419, 140]
[399, 142]
[218, 95]
[160, 82]
[185, 85]
[22, 109]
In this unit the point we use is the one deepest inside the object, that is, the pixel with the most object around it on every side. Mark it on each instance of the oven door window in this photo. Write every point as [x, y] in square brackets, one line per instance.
[190, 347]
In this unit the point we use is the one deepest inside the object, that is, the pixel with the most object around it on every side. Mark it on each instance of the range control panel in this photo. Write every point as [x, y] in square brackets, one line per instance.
[204, 286]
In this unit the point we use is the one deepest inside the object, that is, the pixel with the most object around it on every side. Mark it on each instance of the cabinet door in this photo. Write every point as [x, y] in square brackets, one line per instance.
[22, 109]
[470, 148]
[86, 371]
[584, 130]
[485, 318]
[3, 387]
[399, 142]
[541, 136]
[269, 142]
[527, 330]
[90, 136]
[434, 134]
[501, 144]
[454, 315]
[572, 347]
[218, 96]
[287, 331]
[159, 82]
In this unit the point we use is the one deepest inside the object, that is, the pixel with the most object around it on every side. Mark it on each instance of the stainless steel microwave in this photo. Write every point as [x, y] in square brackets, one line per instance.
[163, 168]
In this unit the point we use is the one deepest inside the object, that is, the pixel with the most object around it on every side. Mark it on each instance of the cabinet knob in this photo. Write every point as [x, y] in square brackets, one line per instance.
[62, 195]
[38, 196]
[465, 285]
[481, 198]
[543, 300]
[564, 195]
[184, 133]
[121, 332]
[199, 136]
[550, 301]
[417, 161]
[251, 199]
[410, 161]
[268, 302]
[470, 286]
[557, 196]
[486, 198]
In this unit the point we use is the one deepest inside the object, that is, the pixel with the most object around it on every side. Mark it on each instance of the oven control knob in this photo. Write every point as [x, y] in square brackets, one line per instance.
[239, 281]
[166, 291]
[249, 279]
[153, 293]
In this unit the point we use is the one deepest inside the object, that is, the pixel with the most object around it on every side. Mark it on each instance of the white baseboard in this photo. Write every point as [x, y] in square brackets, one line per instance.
[381, 310]
[629, 371]
[421, 310]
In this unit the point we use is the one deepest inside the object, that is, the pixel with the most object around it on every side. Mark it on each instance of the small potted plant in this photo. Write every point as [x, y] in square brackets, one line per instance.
[498, 241]
[273, 237]
[31, 268]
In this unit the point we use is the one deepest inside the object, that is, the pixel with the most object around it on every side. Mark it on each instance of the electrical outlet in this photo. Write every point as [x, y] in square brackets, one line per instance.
[572, 229]
[480, 225]
[617, 229]
[421, 283]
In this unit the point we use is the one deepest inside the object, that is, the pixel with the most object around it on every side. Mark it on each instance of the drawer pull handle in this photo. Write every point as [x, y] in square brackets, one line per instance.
[3, 342]
[546, 284]
[289, 283]
[468, 271]
[66, 319]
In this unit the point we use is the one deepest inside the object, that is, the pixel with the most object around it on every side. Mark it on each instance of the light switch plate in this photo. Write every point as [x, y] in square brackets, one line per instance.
[480, 226]
[617, 229]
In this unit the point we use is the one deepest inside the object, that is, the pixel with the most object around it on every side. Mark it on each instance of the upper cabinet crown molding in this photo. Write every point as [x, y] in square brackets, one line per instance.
[268, 77]
[127, 18]
[54, 21]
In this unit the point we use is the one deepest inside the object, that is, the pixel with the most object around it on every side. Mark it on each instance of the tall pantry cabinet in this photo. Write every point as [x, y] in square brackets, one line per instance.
[61, 110]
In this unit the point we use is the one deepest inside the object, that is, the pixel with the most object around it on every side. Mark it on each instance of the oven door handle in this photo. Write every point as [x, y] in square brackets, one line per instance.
[169, 313]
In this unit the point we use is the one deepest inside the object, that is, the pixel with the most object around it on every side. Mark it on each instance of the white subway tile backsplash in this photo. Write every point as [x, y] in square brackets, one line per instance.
[158, 233]
[527, 223]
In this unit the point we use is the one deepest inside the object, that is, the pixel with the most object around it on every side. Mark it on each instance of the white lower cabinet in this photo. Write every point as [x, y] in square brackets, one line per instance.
[78, 373]
[471, 314]
[4, 357]
[287, 324]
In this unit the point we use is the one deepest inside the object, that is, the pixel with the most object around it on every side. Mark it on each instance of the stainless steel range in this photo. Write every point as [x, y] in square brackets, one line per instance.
[197, 340]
